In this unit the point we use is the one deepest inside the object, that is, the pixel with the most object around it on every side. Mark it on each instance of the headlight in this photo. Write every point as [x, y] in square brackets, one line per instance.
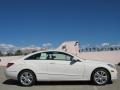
[112, 66]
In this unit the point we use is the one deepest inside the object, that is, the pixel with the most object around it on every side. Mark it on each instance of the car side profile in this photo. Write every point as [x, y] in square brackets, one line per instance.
[59, 66]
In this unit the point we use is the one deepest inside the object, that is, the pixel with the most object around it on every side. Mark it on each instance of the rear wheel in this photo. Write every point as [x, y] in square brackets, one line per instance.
[100, 77]
[26, 78]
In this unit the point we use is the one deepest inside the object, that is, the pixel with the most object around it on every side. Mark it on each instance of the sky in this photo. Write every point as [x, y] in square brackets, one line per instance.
[36, 22]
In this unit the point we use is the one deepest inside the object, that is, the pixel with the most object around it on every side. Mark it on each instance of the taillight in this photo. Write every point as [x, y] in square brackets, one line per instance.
[9, 64]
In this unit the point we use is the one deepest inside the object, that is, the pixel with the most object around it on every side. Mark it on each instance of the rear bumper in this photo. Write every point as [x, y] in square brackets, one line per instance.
[11, 75]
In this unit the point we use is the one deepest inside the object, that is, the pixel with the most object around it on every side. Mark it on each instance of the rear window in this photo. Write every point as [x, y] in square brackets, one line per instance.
[34, 57]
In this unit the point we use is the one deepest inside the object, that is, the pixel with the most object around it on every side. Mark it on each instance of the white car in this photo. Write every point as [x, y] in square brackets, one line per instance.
[59, 66]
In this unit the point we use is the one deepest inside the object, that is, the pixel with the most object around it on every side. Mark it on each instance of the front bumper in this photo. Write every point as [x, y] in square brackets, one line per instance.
[114, 74]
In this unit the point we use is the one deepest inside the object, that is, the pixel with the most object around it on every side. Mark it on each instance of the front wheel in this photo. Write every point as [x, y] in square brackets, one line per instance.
[100, 77]
[26, 78]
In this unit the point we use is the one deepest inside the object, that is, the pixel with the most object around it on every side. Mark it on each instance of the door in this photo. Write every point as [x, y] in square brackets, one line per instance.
[62, 67]
[38, 62]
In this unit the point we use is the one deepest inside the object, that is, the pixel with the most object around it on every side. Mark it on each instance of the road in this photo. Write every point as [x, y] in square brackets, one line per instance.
[13, 85]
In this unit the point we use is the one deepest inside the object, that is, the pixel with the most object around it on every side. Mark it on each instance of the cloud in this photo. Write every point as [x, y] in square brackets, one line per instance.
[31, 47]
[105, 44]
[47, 45]
[4, 48]
[100, 45]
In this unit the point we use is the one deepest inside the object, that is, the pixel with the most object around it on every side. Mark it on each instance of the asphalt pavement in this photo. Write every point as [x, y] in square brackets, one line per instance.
[13, 85]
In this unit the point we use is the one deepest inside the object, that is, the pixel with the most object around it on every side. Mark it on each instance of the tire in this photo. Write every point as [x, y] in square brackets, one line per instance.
[100, 77]
[26, 78]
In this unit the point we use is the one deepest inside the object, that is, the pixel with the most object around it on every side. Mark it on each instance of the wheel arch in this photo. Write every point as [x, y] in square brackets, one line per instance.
[27, 70]
[100, 68]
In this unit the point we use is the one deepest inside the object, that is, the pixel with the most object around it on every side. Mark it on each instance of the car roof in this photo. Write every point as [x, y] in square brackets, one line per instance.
[46, 51]
[53, 51]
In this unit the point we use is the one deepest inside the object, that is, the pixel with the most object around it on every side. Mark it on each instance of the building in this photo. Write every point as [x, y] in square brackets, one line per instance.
[70, 46]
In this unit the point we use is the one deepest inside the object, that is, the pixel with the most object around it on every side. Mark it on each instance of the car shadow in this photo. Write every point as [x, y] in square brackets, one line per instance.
[50, 83]
[46, 83]
[11, 82]
[64, 83]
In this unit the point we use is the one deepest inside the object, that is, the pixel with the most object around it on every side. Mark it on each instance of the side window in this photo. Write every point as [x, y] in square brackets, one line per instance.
[34, 57]
[51, 56]
[43, 56]
[61, 56]
[39, 56]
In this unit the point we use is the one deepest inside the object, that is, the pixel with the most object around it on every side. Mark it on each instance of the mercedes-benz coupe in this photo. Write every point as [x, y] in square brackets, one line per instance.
[59, 66]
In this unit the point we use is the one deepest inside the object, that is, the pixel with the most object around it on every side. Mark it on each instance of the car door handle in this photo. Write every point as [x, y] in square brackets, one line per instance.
[52, 63]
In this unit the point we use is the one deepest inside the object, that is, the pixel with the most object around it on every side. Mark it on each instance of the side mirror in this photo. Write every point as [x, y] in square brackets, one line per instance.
[76, 59]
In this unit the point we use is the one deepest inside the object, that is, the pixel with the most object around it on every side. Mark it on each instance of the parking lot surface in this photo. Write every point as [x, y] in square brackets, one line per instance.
[13, 85]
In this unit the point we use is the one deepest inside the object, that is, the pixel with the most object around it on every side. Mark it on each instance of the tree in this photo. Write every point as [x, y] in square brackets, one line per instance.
[1, 53]
[111, 49]
[9, 54]
[86, 49]
[102, 49]
[81, 50]
[90, 49]
[94, 48]
[18, 52]
[116, 48]
[34, 51]
[98, 49]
